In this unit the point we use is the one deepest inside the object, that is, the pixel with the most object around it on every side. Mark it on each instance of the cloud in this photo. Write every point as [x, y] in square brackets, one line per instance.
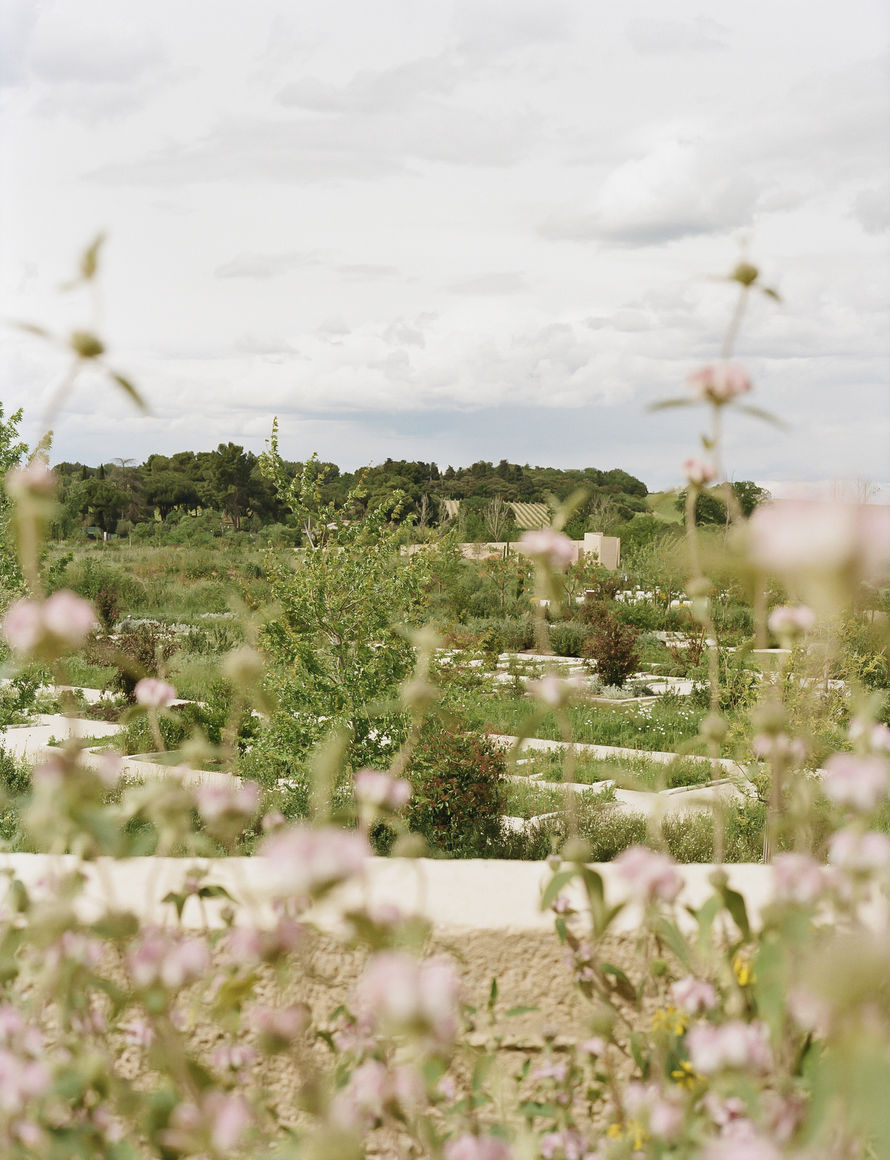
[871, 208]
[676, 190]
[18, 18]
[502, 282]
[266, 265]
[653, 37]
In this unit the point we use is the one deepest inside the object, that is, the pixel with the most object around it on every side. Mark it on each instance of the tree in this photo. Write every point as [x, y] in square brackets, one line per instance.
[103, 501]
[228, 482]
[497, 518]
[12, 452]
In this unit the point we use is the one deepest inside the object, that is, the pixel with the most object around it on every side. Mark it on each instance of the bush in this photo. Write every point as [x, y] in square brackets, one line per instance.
[613, 646]
[567, 638]
[458, 799]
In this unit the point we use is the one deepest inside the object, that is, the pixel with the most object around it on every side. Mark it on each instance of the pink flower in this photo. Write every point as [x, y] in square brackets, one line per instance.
[403, 994]
[693, 995]
[34, 479]
[737, 1045]
[549, 546]
[719, 384]
[469, 1147]
[787, 623]
[698, 472]
[160, 958]
[859, 782]
[779, 746]
[748, 1146]
[859, 853]
[63, 621]
[662, 1115]
[381, 790]
[233, 801]
[649, 875]
[568, 1144]
[797, 879]
[876, 734]
[555, 691]
[23, 625]
[154, 693]
[814, 536]
[69, 618]
[279, 1026]
[313, 860]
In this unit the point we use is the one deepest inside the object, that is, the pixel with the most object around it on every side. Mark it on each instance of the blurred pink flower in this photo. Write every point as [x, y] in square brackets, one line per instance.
[282, 1024]
[649, 874]
[719, 383]
[793, 536]
[779, 745]
[23, 625]
[172, 962]
[69, 618]
[315, 859]
[556, 691]
[237, 801]
[381, 790]
[859, 782]
[548, 545]
[693, 995]
[698, 472]
[741, 1046]
[859, 853]
[567, 1144]
[153, 693]
[34, 479]
[662, 1114]
[790, 622]
[875, 733]
[403, 994]
[469, 1147]
[798, 879]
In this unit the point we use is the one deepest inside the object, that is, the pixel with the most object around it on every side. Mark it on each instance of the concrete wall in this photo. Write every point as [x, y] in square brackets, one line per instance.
[605, 549]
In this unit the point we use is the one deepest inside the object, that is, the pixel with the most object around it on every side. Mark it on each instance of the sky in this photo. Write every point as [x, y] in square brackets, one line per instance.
[452, 230]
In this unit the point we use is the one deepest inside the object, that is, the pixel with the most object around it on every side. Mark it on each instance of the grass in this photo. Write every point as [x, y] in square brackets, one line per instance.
[664, 725]
[627, 772]
[663, 505]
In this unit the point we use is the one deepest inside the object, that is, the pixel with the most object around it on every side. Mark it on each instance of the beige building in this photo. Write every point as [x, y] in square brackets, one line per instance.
[604, 549]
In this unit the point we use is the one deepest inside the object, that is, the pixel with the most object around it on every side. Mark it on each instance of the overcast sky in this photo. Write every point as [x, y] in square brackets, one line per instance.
[453, 229]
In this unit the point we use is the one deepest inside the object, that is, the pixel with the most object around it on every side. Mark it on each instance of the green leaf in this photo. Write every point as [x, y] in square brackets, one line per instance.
[514, 1011]
[735, 904]
[766, 416]
[89, 262]
[535, 1108]
[555, 885]
[625, 987]
[493, 994]
[32, 328]
[663, 404]
[129, 389]
[669, 933]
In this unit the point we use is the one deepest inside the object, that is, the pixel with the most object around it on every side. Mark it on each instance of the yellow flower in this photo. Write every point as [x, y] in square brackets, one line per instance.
[685, 1076]
[632, 1131]
[743, 969]
[671, 1020]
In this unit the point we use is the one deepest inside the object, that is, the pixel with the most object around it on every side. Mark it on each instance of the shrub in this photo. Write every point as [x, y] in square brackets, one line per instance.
[613, 646]
[609, 831]
[458, 783]
[567, 638]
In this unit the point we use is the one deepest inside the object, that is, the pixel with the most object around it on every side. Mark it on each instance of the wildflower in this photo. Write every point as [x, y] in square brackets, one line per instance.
[779, 747]
[693, 996]
[698, 472]
[469, 1147]
[555, 692]
[719, 384]
[737, 1045]
[670, 1019]
[35, 479]
[858, 852]
[381, 790]
[685, 1076]
[160, 958]
[153, 693]
[220, 1120]
[742, 968]
[277, 1027]
[788, 623]
[549, 546]
[64, 621]
[662, 1115]
[793, 536]
[565, 1145]
[797, 879]
[403, 994]
[313, 860]
[649, 875]
[229, 801]
[859, 782]
[875, 734]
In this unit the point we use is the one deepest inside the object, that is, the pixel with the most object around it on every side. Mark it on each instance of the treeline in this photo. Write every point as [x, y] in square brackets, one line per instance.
[119, 496]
